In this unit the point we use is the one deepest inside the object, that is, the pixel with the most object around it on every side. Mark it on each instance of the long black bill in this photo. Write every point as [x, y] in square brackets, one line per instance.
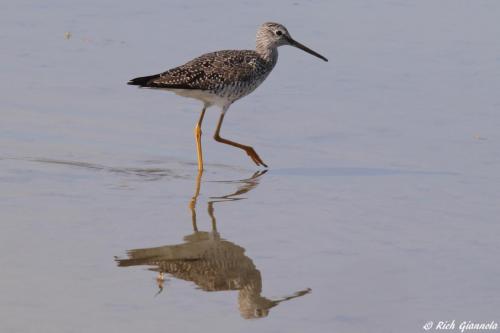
[305, 48]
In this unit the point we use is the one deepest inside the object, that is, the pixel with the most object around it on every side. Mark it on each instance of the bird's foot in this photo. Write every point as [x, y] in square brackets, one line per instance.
[255, 157]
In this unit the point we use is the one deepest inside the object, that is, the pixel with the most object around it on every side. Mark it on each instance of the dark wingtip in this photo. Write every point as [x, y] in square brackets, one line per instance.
[142, 81]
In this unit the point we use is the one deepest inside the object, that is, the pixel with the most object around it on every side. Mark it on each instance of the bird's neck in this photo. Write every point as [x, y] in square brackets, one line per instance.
[265, 48]
[268, 53]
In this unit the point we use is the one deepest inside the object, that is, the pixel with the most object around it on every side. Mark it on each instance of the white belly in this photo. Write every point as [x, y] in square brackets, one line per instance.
[201, 95]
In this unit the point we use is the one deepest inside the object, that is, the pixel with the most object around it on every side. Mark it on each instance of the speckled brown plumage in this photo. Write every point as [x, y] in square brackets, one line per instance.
[230, 73]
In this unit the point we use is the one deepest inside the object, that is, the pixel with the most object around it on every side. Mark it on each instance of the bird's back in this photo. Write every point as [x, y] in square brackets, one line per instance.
[231, 74]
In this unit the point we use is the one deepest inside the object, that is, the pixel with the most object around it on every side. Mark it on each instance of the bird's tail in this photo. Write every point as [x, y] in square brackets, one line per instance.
[143, 81]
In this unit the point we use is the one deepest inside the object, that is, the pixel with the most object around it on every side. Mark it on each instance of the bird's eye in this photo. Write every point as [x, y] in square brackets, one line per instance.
[279, 33]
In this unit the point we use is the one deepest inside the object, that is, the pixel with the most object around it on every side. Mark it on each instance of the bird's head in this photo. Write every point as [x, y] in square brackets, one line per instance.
[273, 35]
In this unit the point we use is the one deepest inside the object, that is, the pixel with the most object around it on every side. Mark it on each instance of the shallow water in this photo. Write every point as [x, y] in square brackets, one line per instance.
[379, 211]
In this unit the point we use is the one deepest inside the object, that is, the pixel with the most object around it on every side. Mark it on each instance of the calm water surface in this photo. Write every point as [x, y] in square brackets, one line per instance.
[379, 211]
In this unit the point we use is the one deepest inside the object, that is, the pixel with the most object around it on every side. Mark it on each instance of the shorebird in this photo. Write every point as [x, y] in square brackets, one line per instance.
[220, 78]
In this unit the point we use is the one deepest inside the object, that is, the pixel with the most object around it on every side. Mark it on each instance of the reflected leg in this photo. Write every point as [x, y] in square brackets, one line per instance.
[192, 203]
[212, 215]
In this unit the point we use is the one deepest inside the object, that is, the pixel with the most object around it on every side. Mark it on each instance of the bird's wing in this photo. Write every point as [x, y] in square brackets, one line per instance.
[205, 72]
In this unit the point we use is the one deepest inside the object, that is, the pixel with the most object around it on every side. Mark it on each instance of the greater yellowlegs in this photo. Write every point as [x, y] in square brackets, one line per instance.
[220, 78]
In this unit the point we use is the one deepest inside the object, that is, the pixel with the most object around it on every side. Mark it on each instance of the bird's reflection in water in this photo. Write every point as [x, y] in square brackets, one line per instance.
[212, 263]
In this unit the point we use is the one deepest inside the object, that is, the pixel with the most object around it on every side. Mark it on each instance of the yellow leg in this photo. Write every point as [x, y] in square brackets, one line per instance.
[249, 150]
[197, 136]
[160, 280]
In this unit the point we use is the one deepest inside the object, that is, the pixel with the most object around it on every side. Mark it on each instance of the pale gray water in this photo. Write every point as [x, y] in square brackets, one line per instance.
[383, 190]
